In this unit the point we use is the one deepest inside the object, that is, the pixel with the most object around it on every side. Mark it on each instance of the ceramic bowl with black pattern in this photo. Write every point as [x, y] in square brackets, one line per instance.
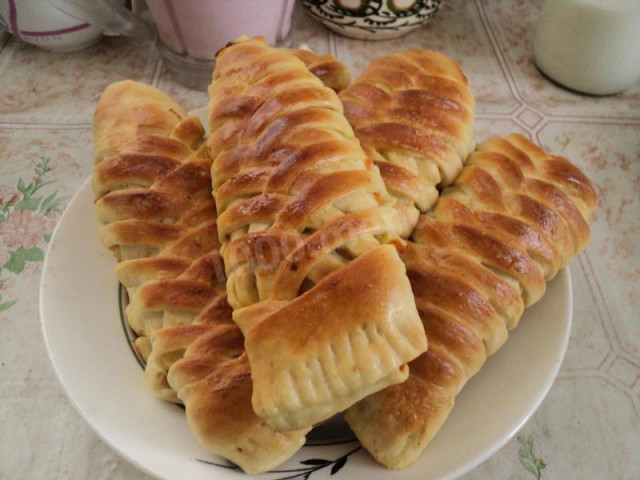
[372, 19]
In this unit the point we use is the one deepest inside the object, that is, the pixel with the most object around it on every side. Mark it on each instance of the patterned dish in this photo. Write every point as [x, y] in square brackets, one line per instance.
[372, 19]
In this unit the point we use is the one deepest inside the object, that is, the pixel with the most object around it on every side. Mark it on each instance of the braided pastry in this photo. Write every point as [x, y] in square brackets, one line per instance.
[326, 310]
[148, 153]
[203, 360]
[153, 189]
[413, 112]
[514, 217]
[197, 358]
[160, 306]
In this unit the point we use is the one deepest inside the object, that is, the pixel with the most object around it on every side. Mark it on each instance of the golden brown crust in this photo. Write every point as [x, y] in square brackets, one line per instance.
[327, 68]
[287, 154]
[153, 193]
[214, 382]
[200, 361]
[512, 219]
[152, 184]
[298, 200]
[413, 112]
[338, 319]
[170, 311]
[132, 118]
[148, 152]
[395, 424]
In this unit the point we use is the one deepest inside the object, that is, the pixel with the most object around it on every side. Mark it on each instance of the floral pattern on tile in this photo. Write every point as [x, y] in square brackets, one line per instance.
[31, 200]
[565, 419]
[28, 214]
[70, 150]
[528, 458]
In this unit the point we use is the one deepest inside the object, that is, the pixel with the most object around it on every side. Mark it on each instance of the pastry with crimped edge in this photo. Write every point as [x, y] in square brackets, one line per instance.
[514, 217]
[305, 223]
[413, 112]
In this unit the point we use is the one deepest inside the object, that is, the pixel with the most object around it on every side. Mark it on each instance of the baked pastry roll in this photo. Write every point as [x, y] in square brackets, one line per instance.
[195, 296]
[202, 364]
[325, 306]
[512, 219]
[153, 188]
[413, 112]
[213, 379]
[197, 358]
[148, 152]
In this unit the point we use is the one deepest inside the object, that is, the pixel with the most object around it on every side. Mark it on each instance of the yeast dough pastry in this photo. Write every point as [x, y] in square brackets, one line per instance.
[202, 362]
[413, 112]
[513, 218]
[152, 183]
[325, 306]
[153, 193]
[148, 152]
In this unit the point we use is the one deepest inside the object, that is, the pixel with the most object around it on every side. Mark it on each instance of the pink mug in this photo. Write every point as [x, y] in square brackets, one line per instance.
[190, 32]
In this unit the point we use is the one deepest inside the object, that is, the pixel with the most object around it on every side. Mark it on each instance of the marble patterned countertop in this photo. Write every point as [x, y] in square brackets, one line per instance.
[589, 424]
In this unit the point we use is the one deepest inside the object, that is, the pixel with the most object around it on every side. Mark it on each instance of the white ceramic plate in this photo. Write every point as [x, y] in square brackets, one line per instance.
[92, 358]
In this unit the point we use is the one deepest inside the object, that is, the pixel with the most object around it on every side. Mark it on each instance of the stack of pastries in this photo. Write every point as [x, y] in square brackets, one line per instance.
[327, 248]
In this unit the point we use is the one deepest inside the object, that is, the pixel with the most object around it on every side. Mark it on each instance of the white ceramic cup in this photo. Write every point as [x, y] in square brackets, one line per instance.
[591, 46]
[40, 23]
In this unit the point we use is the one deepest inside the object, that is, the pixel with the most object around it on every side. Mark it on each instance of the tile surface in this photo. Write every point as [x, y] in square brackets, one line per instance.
[40, 87]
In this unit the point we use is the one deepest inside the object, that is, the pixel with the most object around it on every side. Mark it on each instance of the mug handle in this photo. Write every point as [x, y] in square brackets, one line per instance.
[109, 15]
